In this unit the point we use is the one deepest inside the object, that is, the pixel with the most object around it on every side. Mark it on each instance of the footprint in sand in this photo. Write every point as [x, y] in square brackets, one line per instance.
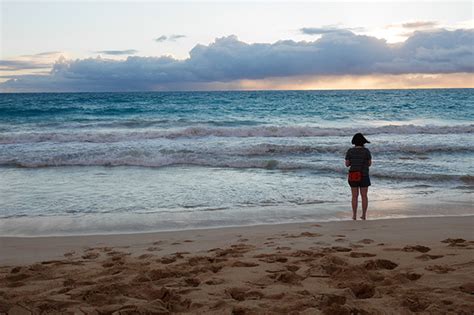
[439, 268]
[288, 277]
[108, 264]
[92, 255]
[416, 303]
[69, 254]
[314, 253]
[362, 290]
[292, 268]
[241, 294]
[360, 255]
[271, 258]
[366, 241]
[327, 300]
[467, 287]
[15, 269]
[379, 264]
[416, 248]
[180, 254]
[245, 264]
[332, 264]
[455, 242]
[193, 282]
[145, 256]
[16, 279]
[153, 249]
[412, 276]
[340, 249]
[304, 234]
[214, 281]
[167, 260]
[426, 257]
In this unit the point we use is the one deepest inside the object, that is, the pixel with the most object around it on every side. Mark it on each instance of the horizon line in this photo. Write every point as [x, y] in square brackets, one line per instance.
[246, 90]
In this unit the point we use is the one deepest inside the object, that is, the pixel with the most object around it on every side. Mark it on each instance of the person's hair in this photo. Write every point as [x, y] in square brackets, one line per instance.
[359, 140]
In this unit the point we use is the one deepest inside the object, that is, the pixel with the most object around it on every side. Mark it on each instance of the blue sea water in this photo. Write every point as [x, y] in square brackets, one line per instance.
[78, 163]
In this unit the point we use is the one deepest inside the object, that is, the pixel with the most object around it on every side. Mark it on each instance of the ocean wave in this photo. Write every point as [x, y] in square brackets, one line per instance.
[238, 132]
[416, 150]
[230, 154]
[269, 164]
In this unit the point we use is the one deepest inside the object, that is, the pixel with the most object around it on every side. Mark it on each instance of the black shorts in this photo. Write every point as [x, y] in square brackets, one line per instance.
[365, 182]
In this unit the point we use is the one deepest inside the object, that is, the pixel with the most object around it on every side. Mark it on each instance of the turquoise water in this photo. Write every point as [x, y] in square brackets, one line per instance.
[129, 162]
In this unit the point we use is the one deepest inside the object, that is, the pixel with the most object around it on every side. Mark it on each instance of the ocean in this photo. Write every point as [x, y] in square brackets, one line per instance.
[93, 163]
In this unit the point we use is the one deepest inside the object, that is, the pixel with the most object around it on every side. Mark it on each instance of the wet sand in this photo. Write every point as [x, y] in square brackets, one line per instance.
[396, 266]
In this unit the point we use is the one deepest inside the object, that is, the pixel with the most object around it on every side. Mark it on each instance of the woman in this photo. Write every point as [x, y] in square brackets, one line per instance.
[359, 159]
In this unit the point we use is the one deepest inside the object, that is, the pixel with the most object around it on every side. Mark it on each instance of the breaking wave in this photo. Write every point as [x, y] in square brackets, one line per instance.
[239, 132]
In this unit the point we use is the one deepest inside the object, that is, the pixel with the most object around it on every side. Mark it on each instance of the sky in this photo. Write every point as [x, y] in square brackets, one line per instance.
[68, 46]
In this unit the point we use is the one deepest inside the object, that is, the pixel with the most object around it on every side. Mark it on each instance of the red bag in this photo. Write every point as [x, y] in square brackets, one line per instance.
[355, 176]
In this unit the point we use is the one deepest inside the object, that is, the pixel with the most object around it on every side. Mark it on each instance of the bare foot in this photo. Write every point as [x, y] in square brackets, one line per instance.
[362, 218]
[354, 218]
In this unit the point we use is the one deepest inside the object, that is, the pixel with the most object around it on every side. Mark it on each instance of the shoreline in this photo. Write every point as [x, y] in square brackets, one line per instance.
[50, 247]
[256, 225]
[144, 223]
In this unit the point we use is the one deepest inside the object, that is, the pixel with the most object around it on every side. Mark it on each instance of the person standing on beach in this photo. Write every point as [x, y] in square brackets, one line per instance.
[359, 159]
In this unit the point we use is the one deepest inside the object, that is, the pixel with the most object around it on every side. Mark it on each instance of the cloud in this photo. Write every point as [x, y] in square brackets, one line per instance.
[162, 38]
[172, 38]
[44, 54]
[228, 59]
[118, 52]
[16, 65]
[324, 30]
[420, 24]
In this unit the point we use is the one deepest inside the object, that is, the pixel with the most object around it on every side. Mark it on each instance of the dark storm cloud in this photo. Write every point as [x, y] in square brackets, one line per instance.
[228, 59]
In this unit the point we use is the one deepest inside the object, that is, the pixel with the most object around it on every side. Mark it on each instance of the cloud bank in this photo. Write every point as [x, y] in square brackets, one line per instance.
[228, 59]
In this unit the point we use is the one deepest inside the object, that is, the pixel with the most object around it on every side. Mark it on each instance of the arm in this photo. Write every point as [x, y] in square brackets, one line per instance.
[370, 163]
[348, 163]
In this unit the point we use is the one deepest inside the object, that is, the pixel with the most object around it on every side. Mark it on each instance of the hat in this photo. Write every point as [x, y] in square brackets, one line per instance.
[359, 139]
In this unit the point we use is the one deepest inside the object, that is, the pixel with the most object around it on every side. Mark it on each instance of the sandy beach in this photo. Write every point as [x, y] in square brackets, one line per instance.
[395, 266]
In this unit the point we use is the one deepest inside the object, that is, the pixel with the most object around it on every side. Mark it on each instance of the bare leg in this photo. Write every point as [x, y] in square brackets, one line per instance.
[365, 201]
[355, 197]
